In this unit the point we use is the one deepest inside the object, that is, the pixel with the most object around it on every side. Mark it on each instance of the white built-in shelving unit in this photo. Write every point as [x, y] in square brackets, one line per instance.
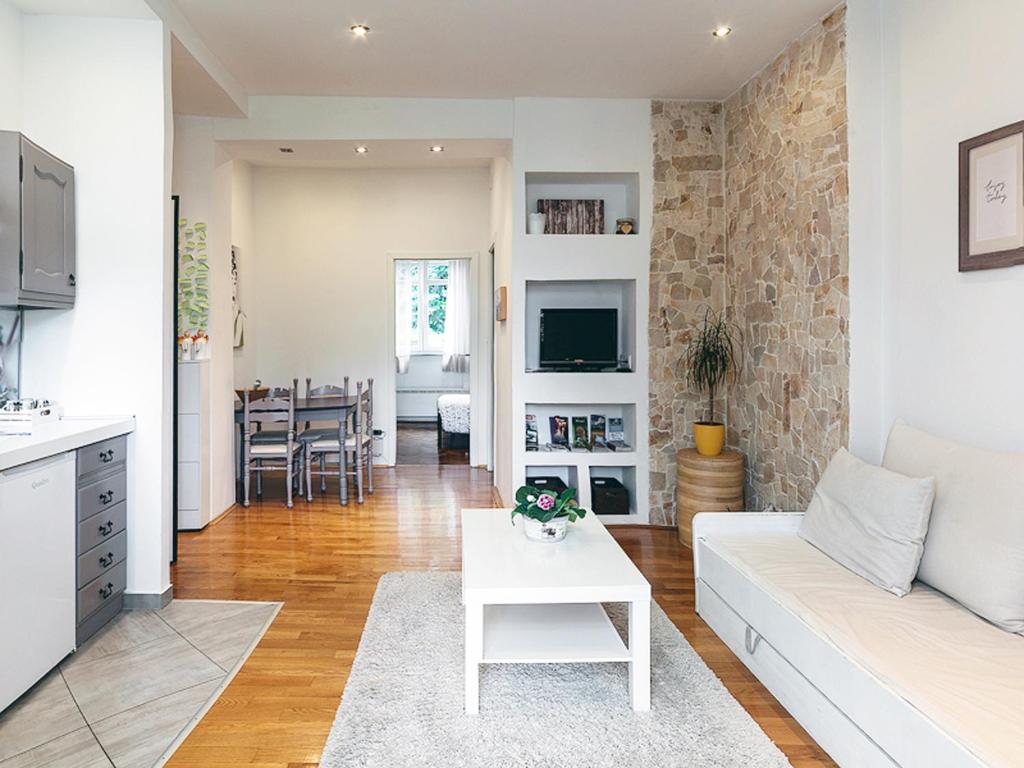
[582, 149]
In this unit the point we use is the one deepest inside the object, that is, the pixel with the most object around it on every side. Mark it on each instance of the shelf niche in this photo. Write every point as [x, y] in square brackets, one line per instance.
[544, 411]
[619, 191]
[580, 294]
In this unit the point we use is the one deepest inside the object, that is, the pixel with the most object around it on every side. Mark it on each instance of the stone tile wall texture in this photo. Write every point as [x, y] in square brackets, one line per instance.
[687, 273]
[774, 254]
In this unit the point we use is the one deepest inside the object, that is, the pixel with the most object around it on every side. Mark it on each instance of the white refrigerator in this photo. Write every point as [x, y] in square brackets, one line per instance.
[37, 571]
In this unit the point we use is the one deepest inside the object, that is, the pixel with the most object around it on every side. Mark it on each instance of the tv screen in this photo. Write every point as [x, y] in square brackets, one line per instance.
[579, 338]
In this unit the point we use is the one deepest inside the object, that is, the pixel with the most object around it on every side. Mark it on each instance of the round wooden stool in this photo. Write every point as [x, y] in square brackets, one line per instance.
[706, 484]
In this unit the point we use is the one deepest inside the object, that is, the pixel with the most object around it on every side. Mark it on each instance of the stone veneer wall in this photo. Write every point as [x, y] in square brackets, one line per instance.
[687, 273]
[781, 142]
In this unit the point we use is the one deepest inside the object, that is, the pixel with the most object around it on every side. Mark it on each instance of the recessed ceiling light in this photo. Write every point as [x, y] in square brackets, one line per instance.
[722, 31]
[286, 150]
[360, 30]
[361, 150]
[437, 148]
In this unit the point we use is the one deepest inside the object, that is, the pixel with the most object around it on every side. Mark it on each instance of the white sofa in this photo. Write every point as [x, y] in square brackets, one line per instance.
[877, 680]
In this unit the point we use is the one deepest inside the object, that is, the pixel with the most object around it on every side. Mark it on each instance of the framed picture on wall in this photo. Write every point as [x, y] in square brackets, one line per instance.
[992, 199]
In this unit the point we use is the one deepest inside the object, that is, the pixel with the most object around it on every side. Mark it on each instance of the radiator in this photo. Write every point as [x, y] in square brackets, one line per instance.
[420, 403]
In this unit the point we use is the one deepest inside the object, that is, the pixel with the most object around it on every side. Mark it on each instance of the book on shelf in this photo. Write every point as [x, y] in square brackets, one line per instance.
[580, 438]
[556, 447]
[616, 433]
[559, 426]
[531, 432]
[597, 432]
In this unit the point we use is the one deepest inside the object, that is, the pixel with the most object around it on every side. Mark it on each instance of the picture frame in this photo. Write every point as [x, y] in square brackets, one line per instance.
[992, 199]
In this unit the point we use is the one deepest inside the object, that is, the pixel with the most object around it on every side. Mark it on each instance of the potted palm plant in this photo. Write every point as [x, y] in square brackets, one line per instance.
[710, 359]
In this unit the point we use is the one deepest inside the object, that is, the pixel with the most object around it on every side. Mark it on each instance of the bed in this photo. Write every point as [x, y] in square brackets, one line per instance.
[453, 420]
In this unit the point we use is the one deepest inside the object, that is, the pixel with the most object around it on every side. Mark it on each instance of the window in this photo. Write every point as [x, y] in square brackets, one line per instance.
[422, 291]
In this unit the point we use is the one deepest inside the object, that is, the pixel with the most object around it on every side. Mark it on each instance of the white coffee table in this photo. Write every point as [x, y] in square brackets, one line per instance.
[531, 602]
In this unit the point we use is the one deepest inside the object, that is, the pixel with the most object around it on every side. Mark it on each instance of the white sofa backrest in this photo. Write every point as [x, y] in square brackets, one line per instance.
[974, 550]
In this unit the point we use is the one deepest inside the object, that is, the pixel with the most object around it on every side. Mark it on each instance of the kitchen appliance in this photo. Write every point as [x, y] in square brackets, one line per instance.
[23, 417]
[579, 339]
[37, 571]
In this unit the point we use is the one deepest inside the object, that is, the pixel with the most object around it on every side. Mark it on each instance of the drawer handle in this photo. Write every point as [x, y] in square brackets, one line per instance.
[106, 498]
[107, 591]
[751, 640]
[107, 528]
[107, 456]
[107, 560]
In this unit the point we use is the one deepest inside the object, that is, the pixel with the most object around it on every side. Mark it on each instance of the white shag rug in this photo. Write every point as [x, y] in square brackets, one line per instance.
[403, 704]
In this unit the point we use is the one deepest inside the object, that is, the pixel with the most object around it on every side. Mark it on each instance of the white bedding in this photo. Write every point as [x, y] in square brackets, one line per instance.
[961, 672]
[454, 412]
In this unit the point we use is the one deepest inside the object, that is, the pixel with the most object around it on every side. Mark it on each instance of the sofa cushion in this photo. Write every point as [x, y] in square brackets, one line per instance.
[960, 672]
[974, 551]
[870, 520]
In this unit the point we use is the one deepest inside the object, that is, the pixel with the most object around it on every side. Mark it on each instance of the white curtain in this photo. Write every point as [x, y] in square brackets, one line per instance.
[455, 357]
[403, 315]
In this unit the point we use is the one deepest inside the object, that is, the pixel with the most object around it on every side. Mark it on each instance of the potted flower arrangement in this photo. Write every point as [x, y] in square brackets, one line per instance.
[709, 360]
[546, 515]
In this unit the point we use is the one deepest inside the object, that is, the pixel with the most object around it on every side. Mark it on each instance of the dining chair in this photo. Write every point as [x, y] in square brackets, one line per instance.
[356, 442]
[311, 434]
[268, 456]
[274, 436]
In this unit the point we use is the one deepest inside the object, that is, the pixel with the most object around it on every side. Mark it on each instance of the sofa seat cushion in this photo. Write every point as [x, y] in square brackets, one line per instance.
[962, 673]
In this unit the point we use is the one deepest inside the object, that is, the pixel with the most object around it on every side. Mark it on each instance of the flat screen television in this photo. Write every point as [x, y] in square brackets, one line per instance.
[579, 339]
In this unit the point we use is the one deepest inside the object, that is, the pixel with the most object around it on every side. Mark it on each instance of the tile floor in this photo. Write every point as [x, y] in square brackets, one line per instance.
[128, 694]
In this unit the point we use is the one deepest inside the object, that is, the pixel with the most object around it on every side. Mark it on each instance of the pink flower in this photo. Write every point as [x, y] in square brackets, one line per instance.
[546, 502]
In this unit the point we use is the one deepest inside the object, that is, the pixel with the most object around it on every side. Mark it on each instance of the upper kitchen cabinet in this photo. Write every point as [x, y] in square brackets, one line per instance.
[37, 226]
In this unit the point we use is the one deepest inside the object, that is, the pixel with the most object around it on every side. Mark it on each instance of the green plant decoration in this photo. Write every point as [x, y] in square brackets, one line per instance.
[545, 506]
[193, 279]
[711, 356]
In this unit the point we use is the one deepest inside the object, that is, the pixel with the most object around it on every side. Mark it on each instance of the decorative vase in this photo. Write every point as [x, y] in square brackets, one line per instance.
[553, 530]
[536, 223]
[709, 437]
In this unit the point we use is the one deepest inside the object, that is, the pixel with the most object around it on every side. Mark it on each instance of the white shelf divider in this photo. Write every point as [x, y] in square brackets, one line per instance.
[550, 634]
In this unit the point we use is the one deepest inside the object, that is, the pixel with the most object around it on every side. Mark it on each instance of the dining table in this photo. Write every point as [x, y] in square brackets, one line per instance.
[330, 408]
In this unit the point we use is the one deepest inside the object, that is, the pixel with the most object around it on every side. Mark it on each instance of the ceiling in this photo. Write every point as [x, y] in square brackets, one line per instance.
[498, 48]
[115, 8]
[461, 153]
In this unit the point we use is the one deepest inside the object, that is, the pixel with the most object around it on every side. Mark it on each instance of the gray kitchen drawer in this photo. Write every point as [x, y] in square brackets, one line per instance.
[103, 494]
[93, 624]
[99, 592]
[103, 455]
[101, 527]
[100, 559]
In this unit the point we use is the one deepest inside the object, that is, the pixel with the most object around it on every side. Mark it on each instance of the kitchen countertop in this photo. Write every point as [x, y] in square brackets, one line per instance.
[60, 436]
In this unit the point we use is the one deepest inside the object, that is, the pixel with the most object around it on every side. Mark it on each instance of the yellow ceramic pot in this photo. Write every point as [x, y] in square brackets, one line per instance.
[709, 436]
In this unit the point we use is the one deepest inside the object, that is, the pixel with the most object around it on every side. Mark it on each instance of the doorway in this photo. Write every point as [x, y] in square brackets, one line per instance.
[435, 339]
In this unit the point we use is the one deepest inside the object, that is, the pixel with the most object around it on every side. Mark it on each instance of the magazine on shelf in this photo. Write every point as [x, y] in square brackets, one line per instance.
[531, 432]
[597, 432]
[617, 435]
[559, 430]
[580, 438]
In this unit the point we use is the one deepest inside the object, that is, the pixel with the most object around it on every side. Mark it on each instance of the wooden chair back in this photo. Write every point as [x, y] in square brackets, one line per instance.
[279, 409]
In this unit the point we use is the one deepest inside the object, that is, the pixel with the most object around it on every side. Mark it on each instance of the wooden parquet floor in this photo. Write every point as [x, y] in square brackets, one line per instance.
[323, 562]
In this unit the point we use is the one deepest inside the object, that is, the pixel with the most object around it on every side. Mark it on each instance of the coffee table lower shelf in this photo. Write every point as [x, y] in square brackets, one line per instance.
[556, 633]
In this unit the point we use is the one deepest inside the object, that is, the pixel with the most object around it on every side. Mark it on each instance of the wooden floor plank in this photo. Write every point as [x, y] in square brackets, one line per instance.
[323, 561]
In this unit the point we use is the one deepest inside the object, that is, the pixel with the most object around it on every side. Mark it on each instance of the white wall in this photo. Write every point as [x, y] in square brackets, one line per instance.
[10, 67]
[94, 94]
[315, 283]
[203, 180]
[501, 236]
[952, 343]
[868, 213]
[418, 387]
[242, 239]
